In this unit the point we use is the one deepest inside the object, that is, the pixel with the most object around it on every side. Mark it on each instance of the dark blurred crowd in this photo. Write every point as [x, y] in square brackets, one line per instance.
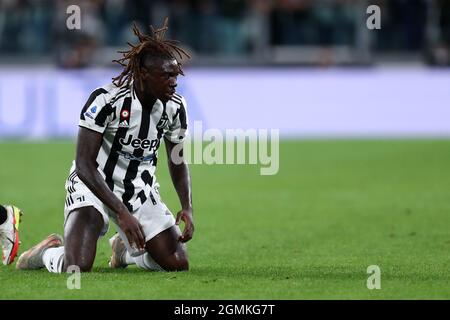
[219, 28]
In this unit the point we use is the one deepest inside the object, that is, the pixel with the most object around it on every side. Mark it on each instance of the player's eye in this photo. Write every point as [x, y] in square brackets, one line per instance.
[171, 75]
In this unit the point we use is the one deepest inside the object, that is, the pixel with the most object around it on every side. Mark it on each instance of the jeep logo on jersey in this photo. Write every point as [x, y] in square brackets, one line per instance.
[140, 143]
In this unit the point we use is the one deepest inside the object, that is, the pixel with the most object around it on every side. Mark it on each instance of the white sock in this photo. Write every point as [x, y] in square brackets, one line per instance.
[146, 262]
[128, 258]
[53, 259]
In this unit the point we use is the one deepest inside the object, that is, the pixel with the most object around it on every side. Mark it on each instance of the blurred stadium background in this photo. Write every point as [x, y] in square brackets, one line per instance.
[231, 32]
[311, 69]
[314, 60]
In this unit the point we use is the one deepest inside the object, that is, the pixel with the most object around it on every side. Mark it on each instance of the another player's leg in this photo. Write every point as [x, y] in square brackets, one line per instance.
[10, 217]
[82, 230]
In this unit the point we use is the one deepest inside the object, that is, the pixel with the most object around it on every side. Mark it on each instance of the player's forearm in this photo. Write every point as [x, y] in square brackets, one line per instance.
[95, 182]
[182, 182]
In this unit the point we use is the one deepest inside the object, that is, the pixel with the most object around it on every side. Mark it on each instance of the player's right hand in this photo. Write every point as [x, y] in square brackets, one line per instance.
[132, 229]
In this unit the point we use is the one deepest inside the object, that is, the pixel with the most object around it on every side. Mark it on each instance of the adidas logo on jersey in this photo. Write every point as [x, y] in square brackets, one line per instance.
[124, 124]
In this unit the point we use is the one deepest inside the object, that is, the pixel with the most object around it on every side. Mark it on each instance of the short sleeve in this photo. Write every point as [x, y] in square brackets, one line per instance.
[96, 113]
[178, 128]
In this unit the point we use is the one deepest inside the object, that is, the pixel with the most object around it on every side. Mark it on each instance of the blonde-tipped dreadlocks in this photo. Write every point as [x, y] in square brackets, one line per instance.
[149, 45]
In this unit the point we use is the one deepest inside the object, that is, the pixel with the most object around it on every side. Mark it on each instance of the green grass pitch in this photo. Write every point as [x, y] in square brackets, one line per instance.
[309, 232]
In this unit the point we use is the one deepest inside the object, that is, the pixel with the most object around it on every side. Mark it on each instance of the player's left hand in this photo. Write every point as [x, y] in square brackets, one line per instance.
[186, 216]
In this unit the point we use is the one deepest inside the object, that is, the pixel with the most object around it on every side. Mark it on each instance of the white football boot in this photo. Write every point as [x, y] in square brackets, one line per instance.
[118, 252]
[9, 234]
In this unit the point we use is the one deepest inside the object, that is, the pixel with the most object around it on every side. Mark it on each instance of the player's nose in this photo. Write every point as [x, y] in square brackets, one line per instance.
[173, 82]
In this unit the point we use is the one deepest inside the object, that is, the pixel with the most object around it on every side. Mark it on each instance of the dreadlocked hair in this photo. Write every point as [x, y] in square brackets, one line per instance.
[153, 45]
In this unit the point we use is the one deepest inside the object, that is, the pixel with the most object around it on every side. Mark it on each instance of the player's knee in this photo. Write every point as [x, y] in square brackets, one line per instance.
[183, 265]
[82, 265]
[85, 267]
[177, 264]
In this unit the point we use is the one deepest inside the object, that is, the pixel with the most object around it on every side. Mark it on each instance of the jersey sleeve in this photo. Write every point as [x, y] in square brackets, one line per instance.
[97, 112]
[178, 128]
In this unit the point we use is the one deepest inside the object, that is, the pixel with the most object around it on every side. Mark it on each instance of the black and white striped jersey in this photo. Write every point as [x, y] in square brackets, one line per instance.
[131, 137]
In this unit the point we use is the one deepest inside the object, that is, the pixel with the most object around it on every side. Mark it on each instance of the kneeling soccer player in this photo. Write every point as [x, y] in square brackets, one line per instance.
[113, 176]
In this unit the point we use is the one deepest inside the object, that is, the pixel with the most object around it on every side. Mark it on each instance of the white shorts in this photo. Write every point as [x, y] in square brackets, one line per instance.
[153, 215]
